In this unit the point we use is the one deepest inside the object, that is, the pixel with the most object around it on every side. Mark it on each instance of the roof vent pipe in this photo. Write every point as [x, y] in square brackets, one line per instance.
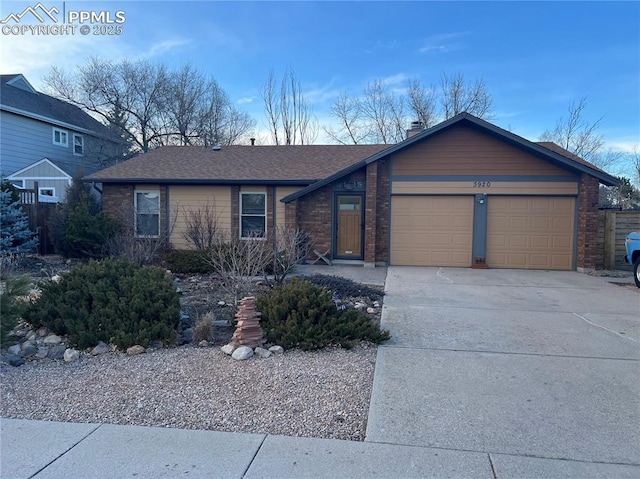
[253, 141]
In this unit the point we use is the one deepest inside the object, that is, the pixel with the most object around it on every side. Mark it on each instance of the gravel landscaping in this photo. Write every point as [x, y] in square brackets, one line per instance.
[321, 394]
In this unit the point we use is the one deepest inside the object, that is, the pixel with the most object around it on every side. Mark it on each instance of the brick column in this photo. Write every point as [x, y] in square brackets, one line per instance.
[587, 251]
[370, 214]
[291, 214]
[383, 211]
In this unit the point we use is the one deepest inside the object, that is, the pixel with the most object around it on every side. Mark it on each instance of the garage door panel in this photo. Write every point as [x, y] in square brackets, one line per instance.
[431, 230]
[530, 232]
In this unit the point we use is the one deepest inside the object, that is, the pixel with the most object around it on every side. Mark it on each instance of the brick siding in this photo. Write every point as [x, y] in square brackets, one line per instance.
[383, 211]
[587, 248]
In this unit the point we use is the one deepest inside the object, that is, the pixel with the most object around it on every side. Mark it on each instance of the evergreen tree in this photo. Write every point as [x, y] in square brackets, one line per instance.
[15, 235]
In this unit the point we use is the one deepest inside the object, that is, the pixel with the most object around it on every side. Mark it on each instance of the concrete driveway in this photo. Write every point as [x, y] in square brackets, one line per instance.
[537, 369]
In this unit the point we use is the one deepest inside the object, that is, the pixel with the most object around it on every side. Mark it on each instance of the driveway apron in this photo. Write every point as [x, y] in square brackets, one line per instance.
[521, 365]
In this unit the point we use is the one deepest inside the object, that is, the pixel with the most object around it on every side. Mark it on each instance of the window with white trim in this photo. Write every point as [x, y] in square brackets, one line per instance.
[60, 137]
[253, 215]
[147, 213]
[78, 145]
[46, 191]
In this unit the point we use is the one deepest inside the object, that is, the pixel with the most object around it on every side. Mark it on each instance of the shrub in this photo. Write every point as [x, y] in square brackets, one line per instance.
[78, 228]
[203, 328]
[87, 232]
[299, 314]
[15, 235]
[112, 301]
[189, 262]
[10, 308]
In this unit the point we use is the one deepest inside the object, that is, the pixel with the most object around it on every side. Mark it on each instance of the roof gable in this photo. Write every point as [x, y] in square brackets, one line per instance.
[18, 81]
[24, 172]
[546, 151]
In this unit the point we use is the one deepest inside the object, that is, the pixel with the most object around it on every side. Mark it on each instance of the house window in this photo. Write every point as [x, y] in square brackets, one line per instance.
[147, 207]
[47, 191]
[253, 215]
[78, 145]
[60, 137]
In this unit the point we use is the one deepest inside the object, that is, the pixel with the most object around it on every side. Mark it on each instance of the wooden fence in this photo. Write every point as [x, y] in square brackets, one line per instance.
[613, 228]
[39, 214]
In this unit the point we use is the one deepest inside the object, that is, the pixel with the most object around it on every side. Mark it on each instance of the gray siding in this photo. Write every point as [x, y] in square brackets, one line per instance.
[59, 185]
[42, 170]
[24, 141]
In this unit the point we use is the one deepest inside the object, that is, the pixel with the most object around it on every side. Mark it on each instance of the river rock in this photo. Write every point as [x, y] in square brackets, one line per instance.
[227, 349]
[101, 348]
[276, 349]
[56, 352]
[71, 355]
[15, 349]
[242, 353]
[135, 350]
[13, 360]
[28, 350]
[52, 340]
[262, 353]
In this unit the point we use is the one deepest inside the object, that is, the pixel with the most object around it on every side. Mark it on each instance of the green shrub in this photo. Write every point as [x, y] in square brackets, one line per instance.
[189, 262]
[87, 232]
[10, 309]
[302, 315]
[112, 301]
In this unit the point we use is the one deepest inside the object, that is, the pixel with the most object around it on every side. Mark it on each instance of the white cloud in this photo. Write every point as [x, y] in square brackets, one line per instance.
[443, 42]
[164, 47]
[246, 99]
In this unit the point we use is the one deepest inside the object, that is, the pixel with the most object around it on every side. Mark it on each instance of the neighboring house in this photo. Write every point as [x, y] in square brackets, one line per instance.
[462, 193]
[47, 140]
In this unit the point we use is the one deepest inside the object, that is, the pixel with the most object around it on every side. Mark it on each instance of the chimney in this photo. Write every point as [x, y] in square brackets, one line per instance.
[253, 141]
[416, 127]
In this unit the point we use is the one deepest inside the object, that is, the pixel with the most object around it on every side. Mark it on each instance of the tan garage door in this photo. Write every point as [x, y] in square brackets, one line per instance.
[530, 232]
[431, 230]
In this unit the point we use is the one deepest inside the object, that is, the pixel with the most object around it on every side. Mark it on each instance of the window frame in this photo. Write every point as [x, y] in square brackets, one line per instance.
[46, 188]
[136, 214]
[81, 138]
[61, 132]
[242, 215]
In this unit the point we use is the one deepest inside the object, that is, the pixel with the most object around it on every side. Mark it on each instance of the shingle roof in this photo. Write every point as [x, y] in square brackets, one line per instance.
[197, 164]
[13, 98]
[549, 145]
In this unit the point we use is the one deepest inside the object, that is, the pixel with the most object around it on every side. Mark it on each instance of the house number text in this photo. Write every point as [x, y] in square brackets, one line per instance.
[481, 184]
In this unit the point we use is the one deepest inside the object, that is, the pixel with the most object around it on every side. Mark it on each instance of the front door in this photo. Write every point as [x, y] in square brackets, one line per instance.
[349, 226]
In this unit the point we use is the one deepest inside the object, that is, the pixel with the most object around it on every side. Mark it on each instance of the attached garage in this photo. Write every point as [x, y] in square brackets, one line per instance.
[431, 230]
[530, 232]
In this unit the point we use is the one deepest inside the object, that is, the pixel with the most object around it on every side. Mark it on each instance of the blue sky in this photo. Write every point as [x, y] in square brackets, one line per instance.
[536, 58]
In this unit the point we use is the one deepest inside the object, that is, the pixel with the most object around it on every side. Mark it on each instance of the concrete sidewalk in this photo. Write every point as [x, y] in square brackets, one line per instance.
[489, 374]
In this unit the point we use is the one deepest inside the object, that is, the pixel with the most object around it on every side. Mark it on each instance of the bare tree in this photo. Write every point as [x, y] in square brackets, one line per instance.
[381, 115]
[384, 112]
[348, 112]
[422, 102]
[147, 105]
[142, 250]
[289, 117]
[458, 97]
[290, 247]
[582, 138]
[377, 116]
[202, 230]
